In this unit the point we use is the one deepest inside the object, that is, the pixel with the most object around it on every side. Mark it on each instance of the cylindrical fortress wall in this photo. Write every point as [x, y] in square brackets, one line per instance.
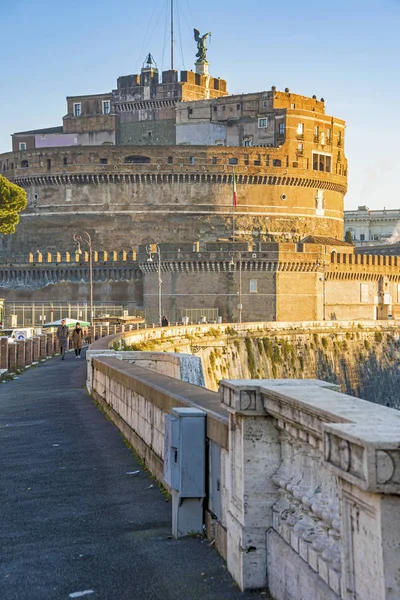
[126, 196]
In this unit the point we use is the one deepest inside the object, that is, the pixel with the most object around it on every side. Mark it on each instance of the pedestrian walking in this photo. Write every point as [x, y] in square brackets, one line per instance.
[62, 334]
[77, 340]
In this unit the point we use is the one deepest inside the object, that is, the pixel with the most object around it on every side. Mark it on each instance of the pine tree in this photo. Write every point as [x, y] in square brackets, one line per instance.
[12, 201]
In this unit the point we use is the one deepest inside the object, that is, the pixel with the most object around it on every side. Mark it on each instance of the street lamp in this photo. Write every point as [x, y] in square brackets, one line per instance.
[233, 264]
[317, 265]
[86, 239]
[155, 249]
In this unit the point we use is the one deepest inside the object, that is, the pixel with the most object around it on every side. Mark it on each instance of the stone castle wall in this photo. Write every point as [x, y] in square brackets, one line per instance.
[168, 194]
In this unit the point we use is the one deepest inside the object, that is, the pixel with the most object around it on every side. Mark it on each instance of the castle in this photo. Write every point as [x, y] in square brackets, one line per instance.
[156, 161]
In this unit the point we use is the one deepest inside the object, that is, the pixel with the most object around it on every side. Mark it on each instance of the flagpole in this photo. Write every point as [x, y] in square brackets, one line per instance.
[233, 203]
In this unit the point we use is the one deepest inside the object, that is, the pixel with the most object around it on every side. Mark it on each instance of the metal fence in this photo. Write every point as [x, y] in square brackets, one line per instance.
[27, 314]
[193, 315]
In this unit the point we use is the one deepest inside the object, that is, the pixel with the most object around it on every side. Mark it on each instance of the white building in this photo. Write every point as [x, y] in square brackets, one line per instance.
[373, 225]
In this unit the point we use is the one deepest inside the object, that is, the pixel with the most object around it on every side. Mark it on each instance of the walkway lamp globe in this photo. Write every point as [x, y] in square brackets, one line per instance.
[155, 249]
[80, 239]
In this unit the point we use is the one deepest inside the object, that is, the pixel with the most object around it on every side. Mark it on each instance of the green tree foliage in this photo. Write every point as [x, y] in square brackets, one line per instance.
[12, 201]
[349, 237]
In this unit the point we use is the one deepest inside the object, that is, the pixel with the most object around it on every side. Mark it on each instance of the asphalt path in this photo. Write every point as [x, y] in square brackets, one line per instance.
[74, 521]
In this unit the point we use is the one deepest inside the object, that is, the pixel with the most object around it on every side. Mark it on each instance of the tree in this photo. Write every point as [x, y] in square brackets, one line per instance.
[12, 201]
[349, 237]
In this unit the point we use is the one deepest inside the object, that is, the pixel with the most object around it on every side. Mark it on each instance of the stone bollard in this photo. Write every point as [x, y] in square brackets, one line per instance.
[35, 349]
[3, 353]
[12, 357]
[42, 343]
[28, 351]
[50, 344]
[21, 346]
[90, 334]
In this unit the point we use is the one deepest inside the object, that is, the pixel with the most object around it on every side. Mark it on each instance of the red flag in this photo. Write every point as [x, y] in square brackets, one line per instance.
[234, 188]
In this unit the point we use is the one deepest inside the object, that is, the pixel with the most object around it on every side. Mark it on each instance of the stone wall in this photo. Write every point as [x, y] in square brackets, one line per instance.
[183, 193]
[307, 477]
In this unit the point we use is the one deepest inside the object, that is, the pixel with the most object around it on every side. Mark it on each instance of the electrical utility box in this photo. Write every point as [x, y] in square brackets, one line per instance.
[184, 468]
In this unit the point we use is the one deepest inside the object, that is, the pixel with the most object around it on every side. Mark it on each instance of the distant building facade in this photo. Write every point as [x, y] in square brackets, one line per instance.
[379, 226]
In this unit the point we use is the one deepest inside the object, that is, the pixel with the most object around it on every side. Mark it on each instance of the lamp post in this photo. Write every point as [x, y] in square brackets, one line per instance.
[232, 263]
[86, 239]
[155, 249]
[322, 270]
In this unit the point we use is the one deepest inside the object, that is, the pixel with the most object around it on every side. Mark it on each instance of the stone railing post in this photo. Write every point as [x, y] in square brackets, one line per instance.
[254, 456]
[366, 459]
[3, 353]
[28, 352]
[21, 345]
[35, 349]
[12, 357]
[42, 343]
[50, 344]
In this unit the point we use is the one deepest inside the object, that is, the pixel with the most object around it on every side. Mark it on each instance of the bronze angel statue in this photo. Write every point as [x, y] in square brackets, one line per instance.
[201, 45]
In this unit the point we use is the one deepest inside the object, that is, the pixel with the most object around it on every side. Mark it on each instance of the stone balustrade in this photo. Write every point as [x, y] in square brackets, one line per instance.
[315, 491]
[304, 485]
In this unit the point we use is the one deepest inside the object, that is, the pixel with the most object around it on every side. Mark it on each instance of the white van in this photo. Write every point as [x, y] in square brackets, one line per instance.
[14, 335]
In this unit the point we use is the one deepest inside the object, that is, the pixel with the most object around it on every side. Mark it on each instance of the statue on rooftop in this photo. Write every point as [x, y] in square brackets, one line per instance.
[201, 45]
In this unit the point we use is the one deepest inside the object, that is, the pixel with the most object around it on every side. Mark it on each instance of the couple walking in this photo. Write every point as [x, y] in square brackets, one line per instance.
[63, 333]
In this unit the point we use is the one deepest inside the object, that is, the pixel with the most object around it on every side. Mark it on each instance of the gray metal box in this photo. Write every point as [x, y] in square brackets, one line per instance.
[184, 452]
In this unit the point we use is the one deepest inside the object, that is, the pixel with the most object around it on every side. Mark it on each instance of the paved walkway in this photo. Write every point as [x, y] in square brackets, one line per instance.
[72, 520]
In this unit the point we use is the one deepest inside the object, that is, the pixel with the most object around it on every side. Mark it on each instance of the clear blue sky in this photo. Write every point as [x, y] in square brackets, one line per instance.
[346, 51]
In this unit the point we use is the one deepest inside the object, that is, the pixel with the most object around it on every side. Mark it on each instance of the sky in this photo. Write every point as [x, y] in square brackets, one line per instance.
[347, 52]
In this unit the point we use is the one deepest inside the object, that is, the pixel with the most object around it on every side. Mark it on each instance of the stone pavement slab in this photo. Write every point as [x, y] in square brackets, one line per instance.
[73, 523]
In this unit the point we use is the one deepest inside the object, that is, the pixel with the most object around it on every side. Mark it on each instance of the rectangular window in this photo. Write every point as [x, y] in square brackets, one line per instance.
[246, 159]
[22, 145]
[233, 161]
[267, 160]
[362, 237]
[106, 107]
[214, 160]
[328, 136]
[300, 148]
[257, 162]
[339, 138]
[281, 129]
[214, 108]
[322, 162]
[253, 286]
[65, 161]
[247, 143]
[265, 104]
[300, 129]
[103, 161]
[292, 106]
[262, 123]
[170, 160]
[77, 109]
[277, 162]
[191, 160]
[316, 133]
[237, 106]
[223, 108]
